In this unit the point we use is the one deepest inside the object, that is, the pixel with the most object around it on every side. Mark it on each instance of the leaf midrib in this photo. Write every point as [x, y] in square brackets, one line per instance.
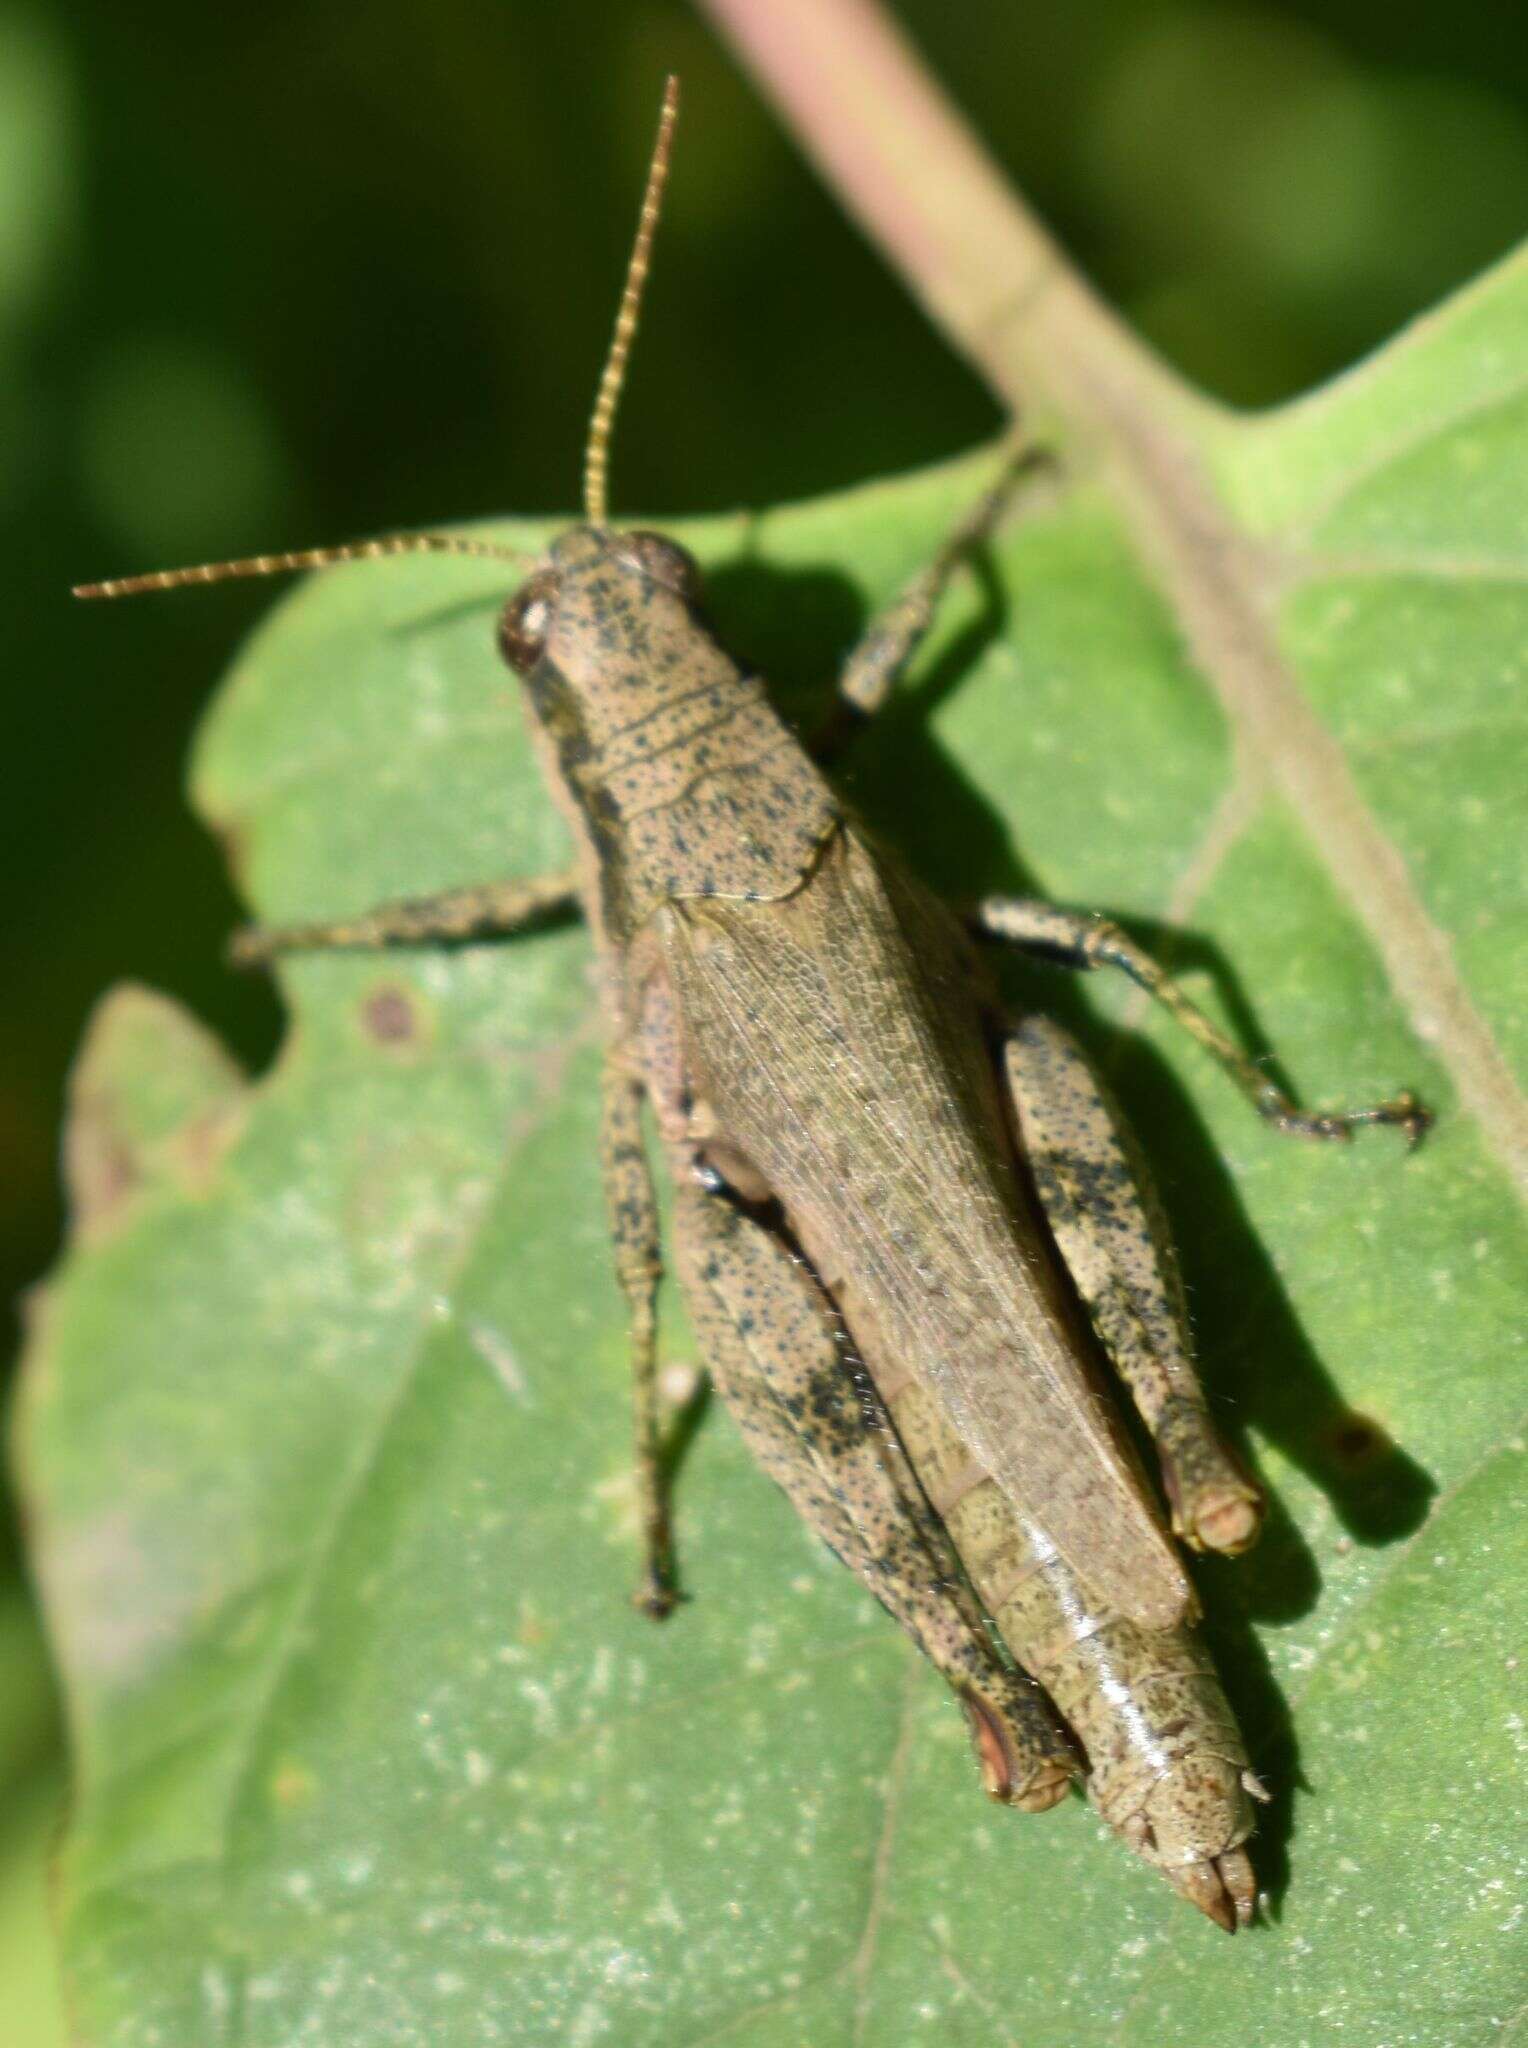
[903, 161]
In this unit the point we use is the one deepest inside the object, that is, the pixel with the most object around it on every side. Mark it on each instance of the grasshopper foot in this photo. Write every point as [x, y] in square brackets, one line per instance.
[249, 947]
[658, 1595]
[1404, 1111]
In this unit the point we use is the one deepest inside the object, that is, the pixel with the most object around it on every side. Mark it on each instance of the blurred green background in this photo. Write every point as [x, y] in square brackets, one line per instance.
[299, 273]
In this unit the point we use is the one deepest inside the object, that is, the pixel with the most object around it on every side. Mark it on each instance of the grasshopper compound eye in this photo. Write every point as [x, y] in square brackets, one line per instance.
[663, 561]
[523, 622]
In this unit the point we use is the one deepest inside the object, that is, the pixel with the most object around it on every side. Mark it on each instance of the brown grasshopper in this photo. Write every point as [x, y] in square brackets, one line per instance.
[906, 1225]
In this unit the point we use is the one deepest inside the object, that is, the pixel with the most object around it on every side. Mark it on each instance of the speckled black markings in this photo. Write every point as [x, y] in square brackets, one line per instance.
[842, 1108]
[777, 1350]
[1107, 1223]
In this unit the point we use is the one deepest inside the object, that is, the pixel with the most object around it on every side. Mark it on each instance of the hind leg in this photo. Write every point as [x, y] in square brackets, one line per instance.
[781, 1358]
[1108, 1225]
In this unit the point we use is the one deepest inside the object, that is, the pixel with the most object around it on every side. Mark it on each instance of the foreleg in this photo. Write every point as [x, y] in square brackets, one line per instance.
[894, 634]
[489, 910]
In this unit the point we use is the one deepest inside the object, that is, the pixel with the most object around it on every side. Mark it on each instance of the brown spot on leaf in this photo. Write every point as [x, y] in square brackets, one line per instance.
[99, 1166]
[198, 1147]
[391, 1016]
[292, 1783]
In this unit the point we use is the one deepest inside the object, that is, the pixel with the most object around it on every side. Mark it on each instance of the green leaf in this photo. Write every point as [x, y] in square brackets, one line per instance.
[326, 1435]
[34, 2011]
[31, 1812]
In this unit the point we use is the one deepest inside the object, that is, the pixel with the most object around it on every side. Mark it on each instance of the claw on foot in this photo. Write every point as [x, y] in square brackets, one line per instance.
[1412, 1118]
[1403, 1111]
[1223, 1514]
[1216, 1503]
[657, 1596]
[1047, 1788]
[249, 946]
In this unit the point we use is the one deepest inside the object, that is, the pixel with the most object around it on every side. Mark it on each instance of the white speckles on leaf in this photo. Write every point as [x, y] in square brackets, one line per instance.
[495, 1349]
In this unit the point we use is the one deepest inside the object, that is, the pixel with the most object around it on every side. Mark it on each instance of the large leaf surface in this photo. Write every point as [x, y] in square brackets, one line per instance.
[326, 1439]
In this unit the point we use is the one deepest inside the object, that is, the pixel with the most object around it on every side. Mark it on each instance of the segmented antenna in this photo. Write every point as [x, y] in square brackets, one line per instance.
[597, 451]
[303, 558]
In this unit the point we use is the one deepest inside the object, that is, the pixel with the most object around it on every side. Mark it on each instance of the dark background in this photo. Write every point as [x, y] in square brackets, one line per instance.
[286, 274]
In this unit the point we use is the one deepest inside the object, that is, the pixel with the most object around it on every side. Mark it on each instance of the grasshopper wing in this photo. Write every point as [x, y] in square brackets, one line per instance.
[836, 1043]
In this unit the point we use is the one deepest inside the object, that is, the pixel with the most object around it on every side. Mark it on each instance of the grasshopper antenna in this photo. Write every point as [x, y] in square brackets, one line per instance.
[596, 454]
[303, 558]
[597, 450]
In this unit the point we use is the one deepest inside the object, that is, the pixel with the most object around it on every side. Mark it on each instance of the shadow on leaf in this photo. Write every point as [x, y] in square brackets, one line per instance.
[1261, 1373]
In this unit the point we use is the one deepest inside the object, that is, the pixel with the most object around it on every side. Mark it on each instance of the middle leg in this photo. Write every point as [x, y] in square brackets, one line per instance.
[1085, 942]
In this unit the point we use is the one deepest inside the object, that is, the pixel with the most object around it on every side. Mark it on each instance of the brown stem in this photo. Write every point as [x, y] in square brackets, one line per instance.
[902, 160]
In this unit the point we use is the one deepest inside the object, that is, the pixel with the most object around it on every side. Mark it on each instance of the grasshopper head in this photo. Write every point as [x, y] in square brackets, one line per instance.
[529, 620]
[593, 556]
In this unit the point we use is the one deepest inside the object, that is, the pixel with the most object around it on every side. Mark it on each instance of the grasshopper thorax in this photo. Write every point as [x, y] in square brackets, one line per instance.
[675, 768]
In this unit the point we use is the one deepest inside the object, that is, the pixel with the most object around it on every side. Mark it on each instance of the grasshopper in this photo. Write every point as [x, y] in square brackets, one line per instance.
[911, 1234]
